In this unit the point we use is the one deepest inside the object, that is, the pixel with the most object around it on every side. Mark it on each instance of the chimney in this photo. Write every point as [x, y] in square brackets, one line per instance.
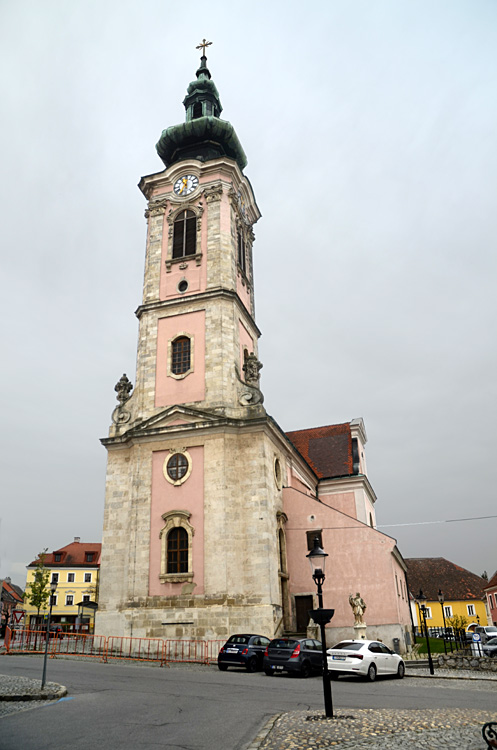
[77, 539]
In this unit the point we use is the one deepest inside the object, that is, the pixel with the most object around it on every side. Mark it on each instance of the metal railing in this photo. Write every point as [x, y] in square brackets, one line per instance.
[114, 647]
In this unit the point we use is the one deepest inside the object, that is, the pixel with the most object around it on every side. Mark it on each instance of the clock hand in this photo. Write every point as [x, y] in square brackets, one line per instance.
[185, 183]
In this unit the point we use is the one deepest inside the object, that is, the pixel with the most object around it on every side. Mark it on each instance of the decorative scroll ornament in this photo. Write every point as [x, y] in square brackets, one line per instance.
[123, 388]
[251, 369]
[156, 207]
[252, 394]
[213, 193]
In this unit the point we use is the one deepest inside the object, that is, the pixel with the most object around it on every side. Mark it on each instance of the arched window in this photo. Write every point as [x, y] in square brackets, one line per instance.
[184, 234]
[197, 110]
[241, 252]
[180, 355]
[177, 551]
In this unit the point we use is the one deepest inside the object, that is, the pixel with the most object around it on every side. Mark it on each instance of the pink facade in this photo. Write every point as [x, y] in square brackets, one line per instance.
[166, 497]
[491, 594]
[191, 387]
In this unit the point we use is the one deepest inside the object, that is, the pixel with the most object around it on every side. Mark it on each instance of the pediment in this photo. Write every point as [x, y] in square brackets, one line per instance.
[176, 416]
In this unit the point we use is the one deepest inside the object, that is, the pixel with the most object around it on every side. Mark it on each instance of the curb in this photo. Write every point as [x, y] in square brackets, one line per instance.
[46, 695]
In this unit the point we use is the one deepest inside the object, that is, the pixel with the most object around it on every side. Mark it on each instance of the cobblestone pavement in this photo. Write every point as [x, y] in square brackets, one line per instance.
[22, 693]
[376, 729]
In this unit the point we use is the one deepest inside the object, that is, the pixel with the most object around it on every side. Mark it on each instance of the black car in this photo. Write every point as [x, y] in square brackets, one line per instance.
[300, 656]
[243, 650]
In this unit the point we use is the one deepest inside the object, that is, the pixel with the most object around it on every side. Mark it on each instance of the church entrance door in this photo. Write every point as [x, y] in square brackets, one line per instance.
[302, 605]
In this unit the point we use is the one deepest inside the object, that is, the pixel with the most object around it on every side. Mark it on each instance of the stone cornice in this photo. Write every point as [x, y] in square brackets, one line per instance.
[207, 296]
[352, 482]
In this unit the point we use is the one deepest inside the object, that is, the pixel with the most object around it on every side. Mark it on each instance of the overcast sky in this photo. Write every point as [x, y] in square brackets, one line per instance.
[370, 130]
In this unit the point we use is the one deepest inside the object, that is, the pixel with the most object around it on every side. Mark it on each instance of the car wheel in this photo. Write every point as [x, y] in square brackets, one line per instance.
[269, 672]
[305, 670]
[401, 670]
[222, 667]
[252, 664]
[372, 673]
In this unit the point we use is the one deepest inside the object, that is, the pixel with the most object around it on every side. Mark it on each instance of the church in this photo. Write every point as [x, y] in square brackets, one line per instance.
[210, 507]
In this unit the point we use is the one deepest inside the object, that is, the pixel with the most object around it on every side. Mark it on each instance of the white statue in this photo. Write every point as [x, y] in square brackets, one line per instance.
[358, 607]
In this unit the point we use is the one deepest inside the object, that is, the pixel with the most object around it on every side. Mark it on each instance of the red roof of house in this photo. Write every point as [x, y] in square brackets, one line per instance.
[492, 582]
[72, 555]
[14, 591]
[327, 450]
[433, 573]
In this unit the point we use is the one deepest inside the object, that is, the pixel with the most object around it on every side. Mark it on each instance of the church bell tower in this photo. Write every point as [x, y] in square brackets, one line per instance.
[193, 500]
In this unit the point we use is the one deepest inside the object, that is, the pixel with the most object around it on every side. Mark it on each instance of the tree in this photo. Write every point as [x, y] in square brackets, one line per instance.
[38, 591]
[458, 622]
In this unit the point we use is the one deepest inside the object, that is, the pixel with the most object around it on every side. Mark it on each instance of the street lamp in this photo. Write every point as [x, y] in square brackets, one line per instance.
[422, 610]
[317, 559]
[441, 599]
[53, 588]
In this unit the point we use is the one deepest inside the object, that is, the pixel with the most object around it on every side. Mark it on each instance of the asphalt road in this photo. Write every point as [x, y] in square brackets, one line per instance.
[128, 707]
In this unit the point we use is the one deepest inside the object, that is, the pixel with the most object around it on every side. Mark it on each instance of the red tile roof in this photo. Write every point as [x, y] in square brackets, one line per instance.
[73, 554]
[433, 573]
[492, 582]
[327, 450]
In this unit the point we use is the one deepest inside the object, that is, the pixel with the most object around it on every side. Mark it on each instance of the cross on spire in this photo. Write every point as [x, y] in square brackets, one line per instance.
[203, 44]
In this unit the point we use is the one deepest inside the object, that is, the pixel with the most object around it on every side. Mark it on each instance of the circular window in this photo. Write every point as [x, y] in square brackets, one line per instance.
[177, 466]
[183, 286]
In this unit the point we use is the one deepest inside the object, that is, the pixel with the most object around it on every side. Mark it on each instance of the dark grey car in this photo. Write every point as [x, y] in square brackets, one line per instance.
[490, 647]
[300, 656]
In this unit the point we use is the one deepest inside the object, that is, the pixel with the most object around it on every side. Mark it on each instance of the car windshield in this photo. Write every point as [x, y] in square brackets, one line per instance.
[349, 645]
[492, 642]
[239, 639]
[490, 629]
[283, 643]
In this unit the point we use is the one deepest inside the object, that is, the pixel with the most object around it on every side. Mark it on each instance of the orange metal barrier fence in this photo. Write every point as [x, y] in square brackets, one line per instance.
[113, 647]
[138, 649]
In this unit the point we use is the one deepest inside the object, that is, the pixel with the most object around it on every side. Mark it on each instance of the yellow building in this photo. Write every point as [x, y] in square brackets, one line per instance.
[462, 592]
[75, 568]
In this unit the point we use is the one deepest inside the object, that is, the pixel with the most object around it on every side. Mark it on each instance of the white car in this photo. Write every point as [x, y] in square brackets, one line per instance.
[364, 658]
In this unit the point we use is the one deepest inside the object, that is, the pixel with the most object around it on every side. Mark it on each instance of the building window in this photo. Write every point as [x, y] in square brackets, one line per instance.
[471, 609]
[180, 355]
[86, 598]
[490, 601]
[447, 610]
[57, 557]
[428, 613]
[242, 259]
[55, 577]
[87, 577]
[53, 600]
[89, 556]
[177, 549]
[184, 234]
[69, 600]
[197, 110]
[70, 578]
[177, 466]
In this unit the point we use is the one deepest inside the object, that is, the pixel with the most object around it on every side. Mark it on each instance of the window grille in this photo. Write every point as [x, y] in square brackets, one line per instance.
[180, 355]
[184, 234]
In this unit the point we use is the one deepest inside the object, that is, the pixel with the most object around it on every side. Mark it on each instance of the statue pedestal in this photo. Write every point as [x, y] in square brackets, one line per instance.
[360, 631]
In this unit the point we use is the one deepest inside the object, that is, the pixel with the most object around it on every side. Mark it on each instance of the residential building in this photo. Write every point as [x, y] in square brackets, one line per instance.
[211, 508]
[491, 594]
[75, 568]
[463, 591]
[11, 600]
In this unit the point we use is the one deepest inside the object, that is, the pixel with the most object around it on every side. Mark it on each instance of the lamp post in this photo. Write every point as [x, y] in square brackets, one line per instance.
[53, 588]
[422, 610]
[317, 559]
[441, 599]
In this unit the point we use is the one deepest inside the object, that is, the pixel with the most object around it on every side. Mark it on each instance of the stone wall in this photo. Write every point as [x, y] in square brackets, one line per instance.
[459, 661]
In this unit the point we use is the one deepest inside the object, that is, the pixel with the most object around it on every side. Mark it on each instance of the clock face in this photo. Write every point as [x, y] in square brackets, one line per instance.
[186, 184]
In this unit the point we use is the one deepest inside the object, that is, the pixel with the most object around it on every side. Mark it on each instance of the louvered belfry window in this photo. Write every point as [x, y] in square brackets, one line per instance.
[177, 551]
[180, 355]
[185, 234]
[241, 251]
